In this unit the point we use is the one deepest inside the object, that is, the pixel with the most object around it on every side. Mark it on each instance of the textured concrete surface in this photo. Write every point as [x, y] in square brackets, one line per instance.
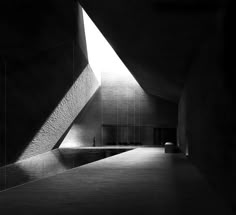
[120, 101]
[86, 126]
[64, 114]
[140, 181]
[43, 49]
[124, 102]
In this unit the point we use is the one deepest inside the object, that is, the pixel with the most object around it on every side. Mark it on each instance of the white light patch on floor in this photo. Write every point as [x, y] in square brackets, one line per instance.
[102, 58]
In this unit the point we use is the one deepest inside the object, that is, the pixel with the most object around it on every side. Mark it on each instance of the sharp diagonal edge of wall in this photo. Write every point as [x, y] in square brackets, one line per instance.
[64, 114]
[40, 59]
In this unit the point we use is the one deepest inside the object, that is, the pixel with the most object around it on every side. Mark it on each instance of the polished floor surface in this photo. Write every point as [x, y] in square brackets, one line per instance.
[140, 181]
[52, 163]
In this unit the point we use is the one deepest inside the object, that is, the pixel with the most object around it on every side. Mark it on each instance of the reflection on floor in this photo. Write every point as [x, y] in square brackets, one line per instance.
[143, 181]
[52, 163]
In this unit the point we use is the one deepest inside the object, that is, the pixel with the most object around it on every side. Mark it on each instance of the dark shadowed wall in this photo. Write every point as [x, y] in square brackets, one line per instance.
[206, 119]
[42, 47]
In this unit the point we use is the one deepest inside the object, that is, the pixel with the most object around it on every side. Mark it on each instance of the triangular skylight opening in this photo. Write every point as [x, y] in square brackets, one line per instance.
[102, 58]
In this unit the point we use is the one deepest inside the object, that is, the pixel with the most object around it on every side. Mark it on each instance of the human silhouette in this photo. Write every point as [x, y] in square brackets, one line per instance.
[94, 141]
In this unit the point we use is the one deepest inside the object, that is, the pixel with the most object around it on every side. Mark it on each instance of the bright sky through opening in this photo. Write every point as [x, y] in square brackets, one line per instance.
[102, 58]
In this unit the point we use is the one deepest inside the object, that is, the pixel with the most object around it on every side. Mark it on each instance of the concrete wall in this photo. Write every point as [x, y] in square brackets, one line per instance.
[120, 101]
[157, 38]
[64, 114]
[43, 48]
[126, 104]
[206, 120]
[86, 126]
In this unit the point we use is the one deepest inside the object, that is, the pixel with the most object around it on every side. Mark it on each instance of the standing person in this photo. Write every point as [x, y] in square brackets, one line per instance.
[94, 141]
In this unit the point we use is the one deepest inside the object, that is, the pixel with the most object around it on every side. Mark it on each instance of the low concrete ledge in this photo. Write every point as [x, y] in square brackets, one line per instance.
[171, 148]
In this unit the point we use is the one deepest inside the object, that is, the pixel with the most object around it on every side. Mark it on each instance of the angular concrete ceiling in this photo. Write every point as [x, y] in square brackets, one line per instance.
[157, 39]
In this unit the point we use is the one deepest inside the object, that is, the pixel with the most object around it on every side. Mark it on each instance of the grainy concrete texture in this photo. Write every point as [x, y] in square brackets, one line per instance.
[182, 51]
[64, 114]
[42, 53]
[177, 50]
[140, 181]
[120, 109]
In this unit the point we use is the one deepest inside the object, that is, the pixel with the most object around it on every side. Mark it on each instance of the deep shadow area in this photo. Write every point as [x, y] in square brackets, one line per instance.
[157, 39]
[52, 163]
[141, 181]
[42, 52]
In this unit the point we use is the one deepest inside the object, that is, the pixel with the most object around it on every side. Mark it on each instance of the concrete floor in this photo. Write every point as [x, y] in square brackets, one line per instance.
[140, 181]
[52, 163]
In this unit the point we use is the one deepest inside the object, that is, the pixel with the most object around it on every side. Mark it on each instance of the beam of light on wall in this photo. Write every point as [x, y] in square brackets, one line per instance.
[117, 86]
[63, 115]
[102, 58]
[93, 47]
[72, 139]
